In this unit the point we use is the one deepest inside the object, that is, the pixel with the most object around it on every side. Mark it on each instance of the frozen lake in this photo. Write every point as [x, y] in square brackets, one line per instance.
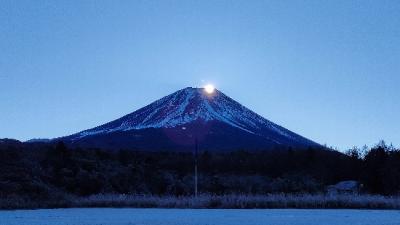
[110, 216]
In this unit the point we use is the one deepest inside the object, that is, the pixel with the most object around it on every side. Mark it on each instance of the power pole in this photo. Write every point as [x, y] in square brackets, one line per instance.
[195, 168]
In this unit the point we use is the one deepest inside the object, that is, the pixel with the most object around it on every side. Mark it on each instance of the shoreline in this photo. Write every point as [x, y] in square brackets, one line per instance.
[208, 201]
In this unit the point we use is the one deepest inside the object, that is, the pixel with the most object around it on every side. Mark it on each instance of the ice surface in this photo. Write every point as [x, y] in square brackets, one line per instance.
[110, 216]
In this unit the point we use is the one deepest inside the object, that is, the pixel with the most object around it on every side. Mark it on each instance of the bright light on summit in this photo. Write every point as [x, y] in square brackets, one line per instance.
[209, 88]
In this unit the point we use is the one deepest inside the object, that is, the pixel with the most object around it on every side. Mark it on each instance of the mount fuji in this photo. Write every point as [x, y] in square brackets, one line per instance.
[188, 116]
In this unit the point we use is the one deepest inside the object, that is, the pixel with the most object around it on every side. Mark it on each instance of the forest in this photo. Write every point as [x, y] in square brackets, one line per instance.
[46, 173]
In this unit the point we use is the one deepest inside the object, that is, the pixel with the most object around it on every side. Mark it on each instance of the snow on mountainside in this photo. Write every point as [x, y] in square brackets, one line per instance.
[196, 106]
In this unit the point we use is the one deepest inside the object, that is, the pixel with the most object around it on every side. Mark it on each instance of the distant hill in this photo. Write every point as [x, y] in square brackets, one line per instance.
[43, 140]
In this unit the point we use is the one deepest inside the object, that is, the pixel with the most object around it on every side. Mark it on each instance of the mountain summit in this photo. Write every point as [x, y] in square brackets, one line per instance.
[178, 120]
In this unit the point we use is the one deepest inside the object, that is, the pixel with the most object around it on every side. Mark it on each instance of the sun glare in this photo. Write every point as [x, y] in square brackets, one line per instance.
[209, 88]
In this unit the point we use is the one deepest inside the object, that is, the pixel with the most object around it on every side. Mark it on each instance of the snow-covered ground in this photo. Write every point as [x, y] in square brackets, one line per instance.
[109, 216]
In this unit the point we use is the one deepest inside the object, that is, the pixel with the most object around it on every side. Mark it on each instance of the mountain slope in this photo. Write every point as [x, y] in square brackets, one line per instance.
[177, 120]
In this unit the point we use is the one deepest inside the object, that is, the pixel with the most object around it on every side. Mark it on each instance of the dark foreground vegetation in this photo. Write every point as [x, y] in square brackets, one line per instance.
[36, 175]
[208, 201]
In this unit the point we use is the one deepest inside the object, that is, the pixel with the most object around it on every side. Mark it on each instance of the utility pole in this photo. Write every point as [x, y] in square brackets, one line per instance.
[195, 168]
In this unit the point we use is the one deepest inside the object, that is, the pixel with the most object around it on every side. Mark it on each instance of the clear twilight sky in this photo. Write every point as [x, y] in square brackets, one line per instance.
[328, 70]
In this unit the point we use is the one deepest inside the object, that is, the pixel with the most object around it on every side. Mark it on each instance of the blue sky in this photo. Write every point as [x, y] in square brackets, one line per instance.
[328, 70]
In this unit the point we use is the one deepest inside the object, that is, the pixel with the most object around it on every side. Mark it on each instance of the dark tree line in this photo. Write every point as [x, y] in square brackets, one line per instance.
[51, 171]
[380, 169]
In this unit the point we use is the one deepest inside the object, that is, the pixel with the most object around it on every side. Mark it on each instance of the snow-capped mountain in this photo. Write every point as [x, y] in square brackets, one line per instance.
[174, 122]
